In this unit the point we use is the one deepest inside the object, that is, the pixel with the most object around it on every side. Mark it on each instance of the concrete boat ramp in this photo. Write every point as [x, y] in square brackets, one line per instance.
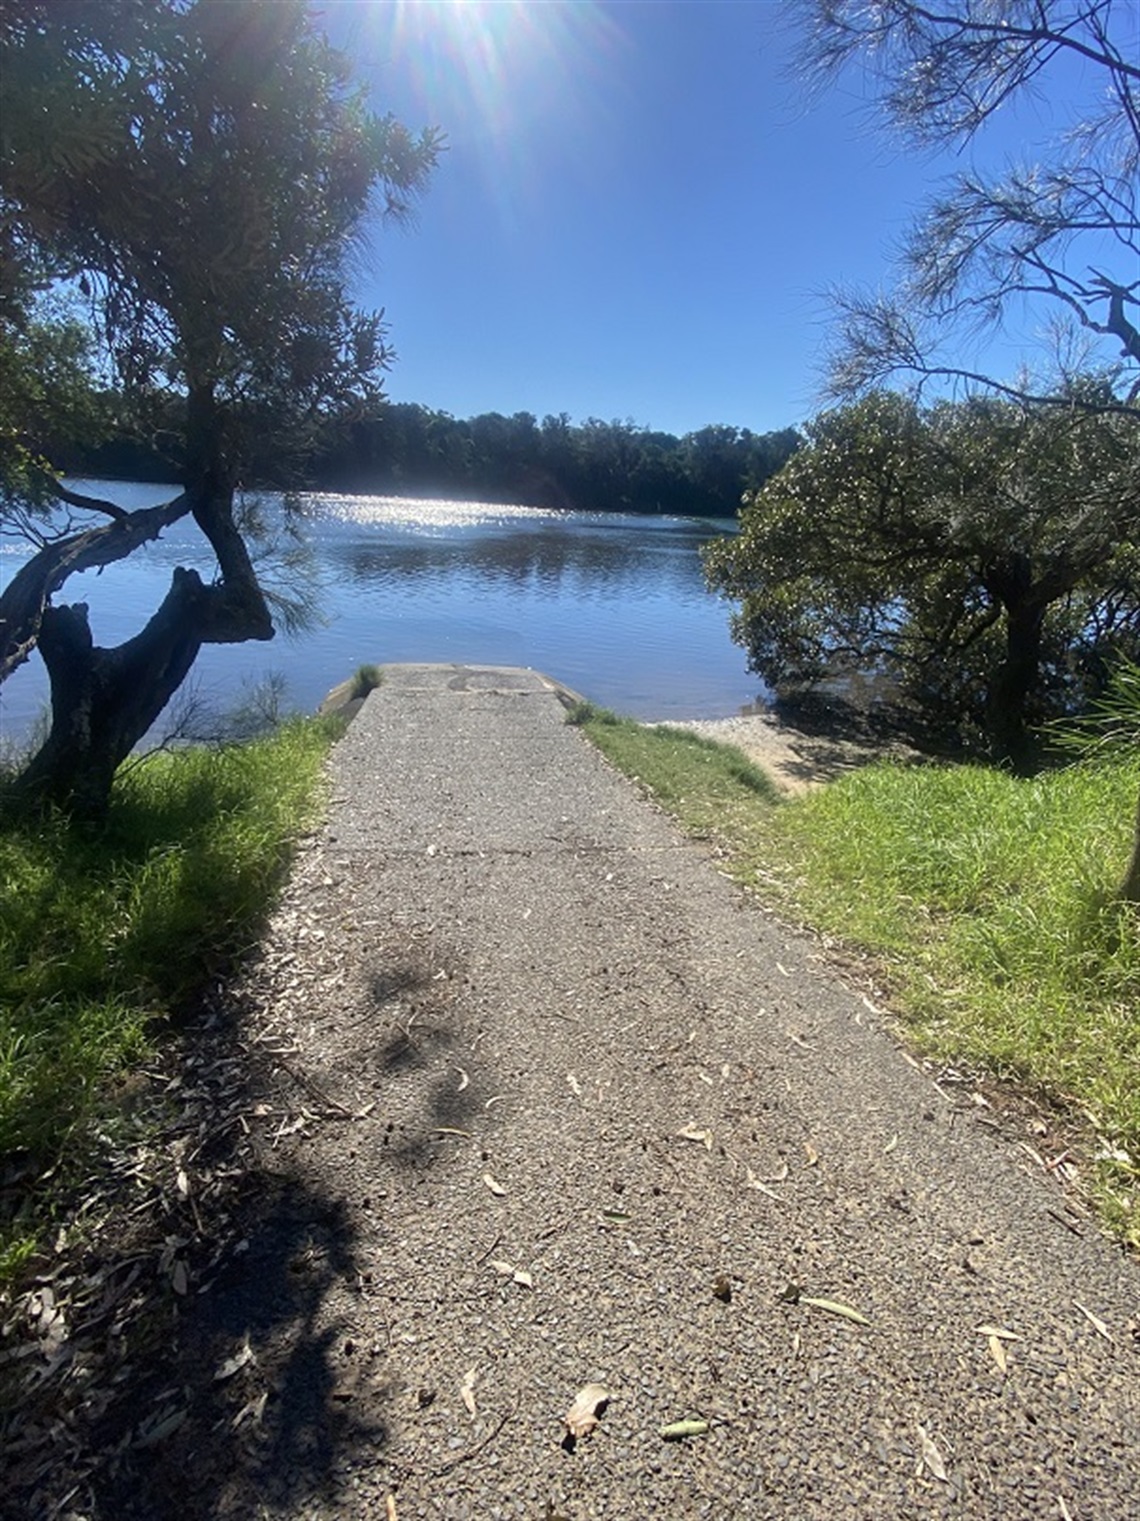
[557, 1107]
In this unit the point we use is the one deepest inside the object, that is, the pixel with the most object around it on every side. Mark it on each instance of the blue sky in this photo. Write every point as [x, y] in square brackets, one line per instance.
[640, 212]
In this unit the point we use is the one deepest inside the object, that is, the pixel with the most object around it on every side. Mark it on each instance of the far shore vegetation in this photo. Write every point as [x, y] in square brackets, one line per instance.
[983, 906]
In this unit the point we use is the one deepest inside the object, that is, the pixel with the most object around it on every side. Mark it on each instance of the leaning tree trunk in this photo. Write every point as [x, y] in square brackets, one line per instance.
[104, 701]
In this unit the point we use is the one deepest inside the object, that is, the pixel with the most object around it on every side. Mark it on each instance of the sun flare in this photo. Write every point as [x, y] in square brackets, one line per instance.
[498, 75]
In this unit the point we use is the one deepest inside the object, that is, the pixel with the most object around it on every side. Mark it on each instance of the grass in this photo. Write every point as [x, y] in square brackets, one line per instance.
[107, 931]
[986, 900]
[366, 678]
[709, 787]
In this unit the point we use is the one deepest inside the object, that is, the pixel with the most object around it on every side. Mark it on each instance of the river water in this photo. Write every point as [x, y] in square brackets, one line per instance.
[612, 606]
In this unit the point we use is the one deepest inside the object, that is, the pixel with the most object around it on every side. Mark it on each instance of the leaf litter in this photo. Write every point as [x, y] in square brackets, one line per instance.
[516, 1275]
[931, 1456]
[587, 1410]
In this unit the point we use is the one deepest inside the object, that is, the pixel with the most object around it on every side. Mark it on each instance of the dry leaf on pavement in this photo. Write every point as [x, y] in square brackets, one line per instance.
[496, 1188]
[761, 1188]
[695, 1133]
[587, 1409]
[834, 1307]
[1095, 1321]
[516, 1275]
[467, 1392]
[931, 1456]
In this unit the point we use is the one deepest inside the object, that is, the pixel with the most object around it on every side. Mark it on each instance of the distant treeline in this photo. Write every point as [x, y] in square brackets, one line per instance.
[407, 449]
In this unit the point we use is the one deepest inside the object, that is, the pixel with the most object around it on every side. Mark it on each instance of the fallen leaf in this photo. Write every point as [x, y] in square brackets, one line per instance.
[179, 1278]
[1095, 1321]
[834, 1307]
[517, 1275]
[694, 1133]
[999, 1331]
[252, 1410]
[890, 1146]
[496, 1188]
[467, 1391]
[587, 1409]
[752, 1181]
[159, 1427]
[234, 1364]
[182, 1182]
[811, 1154]
[997, 1351]
[931, 1456]
[775, 1177]
[676, 1431]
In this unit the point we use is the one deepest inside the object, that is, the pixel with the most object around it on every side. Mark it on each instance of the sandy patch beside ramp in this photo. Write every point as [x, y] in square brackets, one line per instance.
[796, 761]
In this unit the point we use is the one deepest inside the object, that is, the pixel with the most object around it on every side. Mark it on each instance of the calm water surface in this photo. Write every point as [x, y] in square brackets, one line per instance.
[612, 606]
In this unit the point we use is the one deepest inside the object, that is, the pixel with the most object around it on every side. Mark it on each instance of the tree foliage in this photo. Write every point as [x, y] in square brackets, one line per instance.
[197, 172]
[1059, 230]
[983, 555]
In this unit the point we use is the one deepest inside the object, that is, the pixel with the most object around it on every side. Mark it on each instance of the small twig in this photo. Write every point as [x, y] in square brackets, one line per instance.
[472, 1452]
[1060, 1219]
[480, 1260]
[314, 1088]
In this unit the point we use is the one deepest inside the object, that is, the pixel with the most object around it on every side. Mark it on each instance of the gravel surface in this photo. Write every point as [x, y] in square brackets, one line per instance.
[566, 1110]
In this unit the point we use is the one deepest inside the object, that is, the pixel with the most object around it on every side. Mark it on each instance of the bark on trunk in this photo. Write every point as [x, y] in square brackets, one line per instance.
[1013, 681]
[104, 701]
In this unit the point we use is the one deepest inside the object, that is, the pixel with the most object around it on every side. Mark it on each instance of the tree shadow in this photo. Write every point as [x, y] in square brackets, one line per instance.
[195, 1359]
[430, 1057]
[271, 1395]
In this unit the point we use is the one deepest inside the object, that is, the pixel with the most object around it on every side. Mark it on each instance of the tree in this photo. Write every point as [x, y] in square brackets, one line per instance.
[197, 170]
[1061, 234]
[982, 554]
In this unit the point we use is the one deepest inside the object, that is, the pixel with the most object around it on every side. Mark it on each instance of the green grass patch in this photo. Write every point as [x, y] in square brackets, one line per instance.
[712, 789]
[106, 930]
[366, 678]
[987, 899]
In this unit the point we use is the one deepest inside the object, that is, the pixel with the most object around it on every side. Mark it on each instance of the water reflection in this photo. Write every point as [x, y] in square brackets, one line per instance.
[613, 606]
[586, 563]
